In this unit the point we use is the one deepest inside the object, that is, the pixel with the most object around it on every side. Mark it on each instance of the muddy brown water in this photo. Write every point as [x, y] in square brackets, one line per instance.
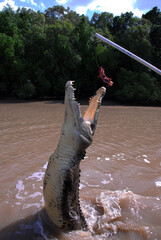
[120, 186]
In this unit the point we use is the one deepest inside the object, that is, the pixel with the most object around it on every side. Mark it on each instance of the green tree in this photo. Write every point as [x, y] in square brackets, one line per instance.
[136, 39]
[39, 52]
[85, 47]
[6, 61]
[137, 88]
[55, 13]
[155, 36]
[122, 23]
[103, 21]
[8, 22]
[154, 16]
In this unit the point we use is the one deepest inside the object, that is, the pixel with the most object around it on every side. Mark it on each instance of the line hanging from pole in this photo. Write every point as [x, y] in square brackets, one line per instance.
[130, 54]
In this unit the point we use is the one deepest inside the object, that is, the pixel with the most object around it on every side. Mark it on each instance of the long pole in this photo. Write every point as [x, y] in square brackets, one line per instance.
[130, 54]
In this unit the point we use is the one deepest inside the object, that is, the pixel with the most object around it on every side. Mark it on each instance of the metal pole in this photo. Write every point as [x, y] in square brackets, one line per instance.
[130, 54]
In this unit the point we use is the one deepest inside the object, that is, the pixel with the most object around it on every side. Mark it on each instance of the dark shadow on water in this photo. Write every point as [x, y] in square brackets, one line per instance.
[24, 229]
[29, 228]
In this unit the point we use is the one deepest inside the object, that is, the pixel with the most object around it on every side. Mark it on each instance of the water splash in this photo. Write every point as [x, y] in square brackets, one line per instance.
[20, 187]
[158, 183]
[107, 217]
[28, 185]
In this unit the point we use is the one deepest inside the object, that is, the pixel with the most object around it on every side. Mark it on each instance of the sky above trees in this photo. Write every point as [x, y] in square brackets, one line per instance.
[88, 7]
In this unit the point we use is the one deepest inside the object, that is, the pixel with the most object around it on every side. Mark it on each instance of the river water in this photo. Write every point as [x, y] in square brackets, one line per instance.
[120, 186]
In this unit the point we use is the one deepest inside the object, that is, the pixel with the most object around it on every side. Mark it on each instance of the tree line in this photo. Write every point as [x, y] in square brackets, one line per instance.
[39, 52]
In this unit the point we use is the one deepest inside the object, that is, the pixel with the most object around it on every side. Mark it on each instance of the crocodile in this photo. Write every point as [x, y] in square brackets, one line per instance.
[62, 175]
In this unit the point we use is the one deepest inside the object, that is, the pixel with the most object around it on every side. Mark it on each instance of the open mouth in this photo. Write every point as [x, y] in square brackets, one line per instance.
[91, 114]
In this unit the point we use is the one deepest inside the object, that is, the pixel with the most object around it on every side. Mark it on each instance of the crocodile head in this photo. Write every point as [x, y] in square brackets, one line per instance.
[84, 126]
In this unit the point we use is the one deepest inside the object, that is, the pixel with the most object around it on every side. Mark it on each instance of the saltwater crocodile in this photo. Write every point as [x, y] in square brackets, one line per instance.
[62, 176]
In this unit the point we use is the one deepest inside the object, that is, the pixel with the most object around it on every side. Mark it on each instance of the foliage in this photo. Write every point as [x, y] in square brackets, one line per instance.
[39, 52]
[136, 88]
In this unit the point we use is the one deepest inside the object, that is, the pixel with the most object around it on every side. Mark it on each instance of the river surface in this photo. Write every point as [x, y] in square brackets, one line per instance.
[120, 187]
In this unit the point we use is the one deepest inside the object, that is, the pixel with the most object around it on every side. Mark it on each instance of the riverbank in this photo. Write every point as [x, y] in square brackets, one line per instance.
[81, 101]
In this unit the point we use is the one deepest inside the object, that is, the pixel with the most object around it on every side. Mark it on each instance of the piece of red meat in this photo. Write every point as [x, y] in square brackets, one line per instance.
[105, 79]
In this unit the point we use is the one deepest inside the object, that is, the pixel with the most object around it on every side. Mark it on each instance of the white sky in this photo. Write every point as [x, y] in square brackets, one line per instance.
[85, 6]
[114, 6]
